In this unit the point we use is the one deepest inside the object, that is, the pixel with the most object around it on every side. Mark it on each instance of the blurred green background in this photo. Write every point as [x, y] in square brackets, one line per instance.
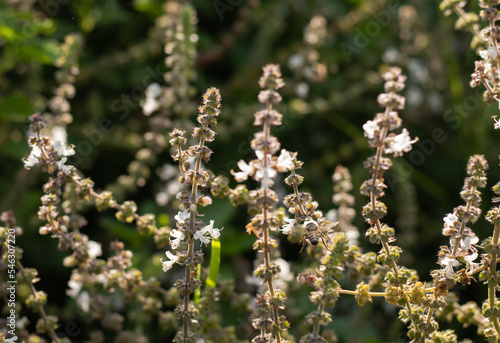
[332, 82]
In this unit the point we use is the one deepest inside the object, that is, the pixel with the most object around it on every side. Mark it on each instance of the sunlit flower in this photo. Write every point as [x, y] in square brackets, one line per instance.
[181, 217]
[94, 249]
[287, 228]
[63, 167]
[400, 144]
[178, 237]
[63, 149]
[285, 161]
[265, 175]
[371, 128]
[201, 234]
[450, 219]
[151, 102]
[497, 122]
[74, 288]
[449, 224]
[215, 232]
[32, 159]
[246, 171]
[172, 259]
[83, 301]
[449, 263]
[468, 242]
[489, 53]
[285, 274]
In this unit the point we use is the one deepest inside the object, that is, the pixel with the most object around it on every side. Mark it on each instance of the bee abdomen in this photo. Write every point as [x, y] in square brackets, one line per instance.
[314, 240]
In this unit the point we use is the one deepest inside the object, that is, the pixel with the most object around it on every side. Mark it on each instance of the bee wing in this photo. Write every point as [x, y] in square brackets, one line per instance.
[327, 225]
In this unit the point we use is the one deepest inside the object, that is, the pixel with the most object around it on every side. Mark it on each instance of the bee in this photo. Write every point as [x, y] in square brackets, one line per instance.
[314, 232]
[308, 278]
[464, 278]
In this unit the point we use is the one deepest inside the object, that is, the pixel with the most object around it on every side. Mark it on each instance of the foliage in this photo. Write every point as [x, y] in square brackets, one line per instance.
[106, 186]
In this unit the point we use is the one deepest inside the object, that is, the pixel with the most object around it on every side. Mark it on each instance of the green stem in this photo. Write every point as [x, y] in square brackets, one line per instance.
[316, 325]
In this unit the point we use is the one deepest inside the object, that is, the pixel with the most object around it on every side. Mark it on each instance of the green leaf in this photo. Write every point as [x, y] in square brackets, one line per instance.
[126, 233]
[15, 108]
[163, 219]
[149, 6]
[45, 51]
[8, 26]
[214, 264]
[7, 32]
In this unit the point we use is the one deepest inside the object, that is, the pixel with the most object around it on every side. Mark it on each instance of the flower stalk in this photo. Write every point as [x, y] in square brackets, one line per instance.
[267, 319]
[189, 227]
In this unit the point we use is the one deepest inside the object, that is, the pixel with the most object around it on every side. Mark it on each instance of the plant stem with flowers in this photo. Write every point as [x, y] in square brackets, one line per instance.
[381, 137]
[486, 72]
[36, 299]
[315, 228]
[189, 226]
[267, 319]
[490, 276]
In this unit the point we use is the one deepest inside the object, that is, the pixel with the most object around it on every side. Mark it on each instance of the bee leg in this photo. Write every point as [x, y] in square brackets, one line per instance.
[324, 242]
[303, 241]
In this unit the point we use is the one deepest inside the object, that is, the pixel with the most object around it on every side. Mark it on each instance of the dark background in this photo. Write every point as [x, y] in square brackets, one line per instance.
[324, 127]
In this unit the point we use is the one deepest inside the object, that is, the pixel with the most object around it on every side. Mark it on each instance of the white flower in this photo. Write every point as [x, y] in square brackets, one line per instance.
[200, 235]
[285, 274]
[400, 144]
[470, 251]
[468, 242]
[74, 288]
[497, 122]
[149, 106]
[58, 133]
[181, 217]
[62, 149]
[63, 167]
[178, 238]
[287, 228]
[172, 260]
[352, 236]
[471, 257]
[489, 53]
[265, 175]
[450, 219]
[151, 102]
[215, 232]
[94, 249]
[83, 301]
[285, 161]
[32, 159]
[370, 128]
[246, 171]
[449, 263]
[449, 224]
